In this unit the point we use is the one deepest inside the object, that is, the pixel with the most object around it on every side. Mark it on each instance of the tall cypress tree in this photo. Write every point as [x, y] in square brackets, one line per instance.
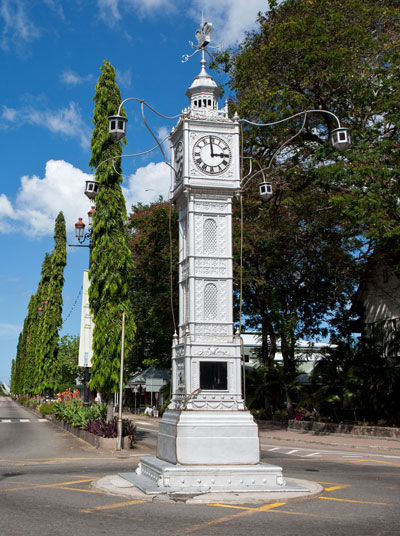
[111, 265]
[41, 300]
[52, 320]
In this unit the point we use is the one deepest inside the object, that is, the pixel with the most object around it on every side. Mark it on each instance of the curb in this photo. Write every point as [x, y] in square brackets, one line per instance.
[116, 485]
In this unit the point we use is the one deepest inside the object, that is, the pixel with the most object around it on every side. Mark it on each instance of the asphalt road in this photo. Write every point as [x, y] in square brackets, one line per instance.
[46, 476]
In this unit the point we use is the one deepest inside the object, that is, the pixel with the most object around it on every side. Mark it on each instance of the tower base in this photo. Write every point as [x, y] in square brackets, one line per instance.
[208, 438]
[155, 476]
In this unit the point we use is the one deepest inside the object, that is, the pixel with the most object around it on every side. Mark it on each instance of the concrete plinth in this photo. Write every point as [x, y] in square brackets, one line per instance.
[208, 438]
[155, 476]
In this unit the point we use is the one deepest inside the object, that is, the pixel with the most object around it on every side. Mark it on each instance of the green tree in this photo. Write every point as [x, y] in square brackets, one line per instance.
[111, 263]
[67, 362]
[327, 209]
[152, 227]
[47, 345]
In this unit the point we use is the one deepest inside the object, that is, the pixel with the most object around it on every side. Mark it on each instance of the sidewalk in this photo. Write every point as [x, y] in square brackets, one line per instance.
[345, 441]
[269, 432]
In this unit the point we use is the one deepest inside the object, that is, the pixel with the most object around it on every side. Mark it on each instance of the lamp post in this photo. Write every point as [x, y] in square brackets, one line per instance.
[91, 190]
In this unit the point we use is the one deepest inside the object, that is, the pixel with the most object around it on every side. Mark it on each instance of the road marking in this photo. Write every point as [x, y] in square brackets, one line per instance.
[5, 420]
[24, 420]
[275, 448]
[375, 461]
[43, 420]
[144, 424]
[354, 501]
[83, 490]
[334, 488]
[312, 454]
[292, 451]
[110, 506]
[246, 512]
[58, 484]
[229, 506]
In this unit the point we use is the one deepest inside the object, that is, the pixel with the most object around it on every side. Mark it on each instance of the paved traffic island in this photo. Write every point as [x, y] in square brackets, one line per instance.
[117, 485]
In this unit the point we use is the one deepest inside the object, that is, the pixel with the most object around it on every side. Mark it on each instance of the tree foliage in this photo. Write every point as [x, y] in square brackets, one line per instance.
[52, 313]
[67, 362]
[151, 249]
[302, 248]
[111, 264]
[35, 363]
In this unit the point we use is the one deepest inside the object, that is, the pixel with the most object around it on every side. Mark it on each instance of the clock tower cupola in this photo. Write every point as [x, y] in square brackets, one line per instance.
[203, 93]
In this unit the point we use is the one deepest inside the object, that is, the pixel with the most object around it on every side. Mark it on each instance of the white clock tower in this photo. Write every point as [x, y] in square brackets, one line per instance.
[207, 439]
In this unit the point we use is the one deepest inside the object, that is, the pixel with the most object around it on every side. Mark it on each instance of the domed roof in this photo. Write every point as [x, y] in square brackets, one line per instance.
[203, 83]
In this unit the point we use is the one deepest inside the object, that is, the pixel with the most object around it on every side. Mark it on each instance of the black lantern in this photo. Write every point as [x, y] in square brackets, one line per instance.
[340, 138]
[91, 189]
[79, 228]
[117, 126]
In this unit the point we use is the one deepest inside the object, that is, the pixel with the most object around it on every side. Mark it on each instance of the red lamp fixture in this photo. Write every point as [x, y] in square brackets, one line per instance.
[90, 216]
[79, 228]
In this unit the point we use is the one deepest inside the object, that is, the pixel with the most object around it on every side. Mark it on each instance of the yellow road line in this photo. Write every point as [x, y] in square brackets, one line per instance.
[354, 501]
[229, 506]
[82, 490]
[375, 461]
[334, 488]
[247, 512]
[35, 486]
[110, 506]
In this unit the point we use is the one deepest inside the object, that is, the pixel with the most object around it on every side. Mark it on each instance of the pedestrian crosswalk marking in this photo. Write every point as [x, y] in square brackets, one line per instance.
[22, 420]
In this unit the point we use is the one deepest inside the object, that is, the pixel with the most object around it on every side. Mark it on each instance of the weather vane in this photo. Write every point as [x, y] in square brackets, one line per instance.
[203, 39]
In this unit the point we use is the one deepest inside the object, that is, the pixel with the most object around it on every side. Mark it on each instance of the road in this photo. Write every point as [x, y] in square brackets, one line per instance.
[46, 477]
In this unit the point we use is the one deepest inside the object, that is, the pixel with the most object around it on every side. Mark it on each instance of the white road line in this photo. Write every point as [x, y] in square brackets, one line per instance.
[5, 420]
[275, 448]
[144, 424]
[24, 420]
[311, 454]
[292, 451]
[42, 420]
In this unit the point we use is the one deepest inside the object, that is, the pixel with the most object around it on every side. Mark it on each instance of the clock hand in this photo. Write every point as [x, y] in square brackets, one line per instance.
[211, 147]
[221, 155]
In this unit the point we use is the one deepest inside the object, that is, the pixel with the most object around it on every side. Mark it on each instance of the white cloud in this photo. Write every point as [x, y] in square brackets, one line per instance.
[9, 331]
[70, 78]
[124, 78]
[147, 184]
[110, 10]
[67, 121]
[39, 200]
[56, 6]
[163, 134]
[17, 29]
[231, 18]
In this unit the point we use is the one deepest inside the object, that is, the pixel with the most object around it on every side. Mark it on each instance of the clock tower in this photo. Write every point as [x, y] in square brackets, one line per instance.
[207, 438]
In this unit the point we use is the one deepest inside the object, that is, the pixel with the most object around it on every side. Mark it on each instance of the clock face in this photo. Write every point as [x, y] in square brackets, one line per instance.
[179, 159]
[212, 155]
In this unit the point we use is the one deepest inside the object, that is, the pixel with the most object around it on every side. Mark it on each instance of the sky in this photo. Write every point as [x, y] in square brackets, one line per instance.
[50, 55]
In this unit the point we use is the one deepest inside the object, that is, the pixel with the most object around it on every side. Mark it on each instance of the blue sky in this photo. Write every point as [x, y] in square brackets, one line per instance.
[50, 54]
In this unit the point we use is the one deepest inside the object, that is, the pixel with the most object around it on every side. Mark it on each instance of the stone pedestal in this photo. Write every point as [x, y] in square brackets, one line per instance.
[208, 438]
[156, 476]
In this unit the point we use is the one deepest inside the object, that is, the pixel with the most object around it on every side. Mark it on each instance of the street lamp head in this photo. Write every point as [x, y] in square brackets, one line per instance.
[79, 228]
[340, 138]
[117, 126]
[265, 190]
[91, 189]
[90, 216]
